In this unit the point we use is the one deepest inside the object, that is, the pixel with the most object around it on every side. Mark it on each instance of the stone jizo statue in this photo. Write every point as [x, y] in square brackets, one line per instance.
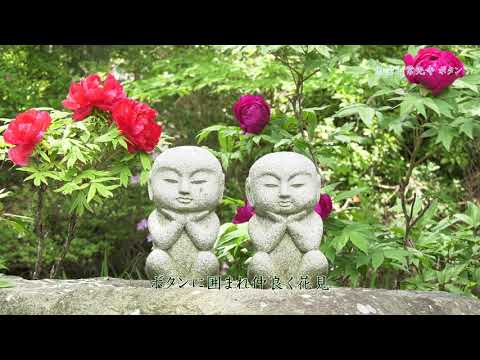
[284, 188]
[186, 184]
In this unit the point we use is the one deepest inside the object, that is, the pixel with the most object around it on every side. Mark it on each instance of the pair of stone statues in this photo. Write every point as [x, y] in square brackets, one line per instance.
[187, 183]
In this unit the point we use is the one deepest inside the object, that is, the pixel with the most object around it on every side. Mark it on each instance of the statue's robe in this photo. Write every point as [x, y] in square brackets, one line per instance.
[183, 240]
[286, 242]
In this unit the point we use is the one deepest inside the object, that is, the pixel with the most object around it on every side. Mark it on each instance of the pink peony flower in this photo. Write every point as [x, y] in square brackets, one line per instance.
[136, 121]
[433, 68]
[243, 214]
[324, 206]
[26, 131]
[90, 93]
[252, 112]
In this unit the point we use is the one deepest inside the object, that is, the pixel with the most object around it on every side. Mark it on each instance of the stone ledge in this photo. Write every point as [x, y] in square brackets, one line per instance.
[116, 296]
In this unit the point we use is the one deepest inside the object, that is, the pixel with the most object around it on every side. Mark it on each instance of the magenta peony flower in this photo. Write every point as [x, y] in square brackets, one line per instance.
[243, 214]
[324, 206]
[252, 112]
[433, 68]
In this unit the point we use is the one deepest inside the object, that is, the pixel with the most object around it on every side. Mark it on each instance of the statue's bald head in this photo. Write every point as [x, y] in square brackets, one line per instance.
[283, 182]
[186, 178]
[187, 158]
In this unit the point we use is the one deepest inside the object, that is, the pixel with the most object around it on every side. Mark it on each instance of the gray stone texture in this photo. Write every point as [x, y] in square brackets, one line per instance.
[114, 296]
[186, 184]
[286, 232]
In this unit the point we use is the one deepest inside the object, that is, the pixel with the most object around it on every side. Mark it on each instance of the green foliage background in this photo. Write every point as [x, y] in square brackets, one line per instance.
[361, 137]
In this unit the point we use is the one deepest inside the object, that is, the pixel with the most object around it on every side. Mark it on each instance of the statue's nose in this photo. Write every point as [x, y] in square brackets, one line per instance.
[284, 191]
[184, 188]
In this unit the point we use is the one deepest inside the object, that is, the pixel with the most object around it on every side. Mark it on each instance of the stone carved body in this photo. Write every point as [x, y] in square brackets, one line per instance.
[186, 185]
[286, 231]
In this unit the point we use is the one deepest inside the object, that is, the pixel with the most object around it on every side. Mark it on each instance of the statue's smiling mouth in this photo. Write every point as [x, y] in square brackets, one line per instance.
[184, 200]
[284, 203]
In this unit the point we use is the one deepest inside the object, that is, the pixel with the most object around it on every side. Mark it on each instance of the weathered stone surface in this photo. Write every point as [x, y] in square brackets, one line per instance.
[285, 231]
[115, 296]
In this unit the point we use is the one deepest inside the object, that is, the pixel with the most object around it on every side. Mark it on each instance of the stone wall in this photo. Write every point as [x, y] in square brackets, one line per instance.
[115, 296]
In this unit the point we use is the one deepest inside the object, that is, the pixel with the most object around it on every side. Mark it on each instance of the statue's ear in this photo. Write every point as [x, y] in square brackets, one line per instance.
[319, 187]
[248, 192]
[222, 185]
[150, 192]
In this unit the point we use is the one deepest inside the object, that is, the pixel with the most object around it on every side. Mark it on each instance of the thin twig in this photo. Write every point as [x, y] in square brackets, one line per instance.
[70, 234]
[311, 74]
[421, 214]
[39, 231]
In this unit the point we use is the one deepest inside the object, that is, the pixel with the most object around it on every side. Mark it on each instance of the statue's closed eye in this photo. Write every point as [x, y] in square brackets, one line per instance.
[199, 181]
[172, 181]
[271, 185]
[297, 185]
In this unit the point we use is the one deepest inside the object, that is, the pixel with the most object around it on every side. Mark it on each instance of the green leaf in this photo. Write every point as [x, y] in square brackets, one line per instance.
[377, 259]
[203, 134]
[360, 240]
[312, 122]
[411, 102]
[358, 234]
[366, 114]
[348, 194]
[395, 124]
[428, 102]
[91, 192]
[405, 108]
[103, 190]
[467, 125]
[362, 260]
[397, 254]
[44, 155]
[473, 211]
[429, 133]
[146, 161]
[464, 218]
[445, 136]
[72, 158]
[464, 83]
[339, 241]
[444, 108]
[125, 175]
[122, 143]
[68, 188]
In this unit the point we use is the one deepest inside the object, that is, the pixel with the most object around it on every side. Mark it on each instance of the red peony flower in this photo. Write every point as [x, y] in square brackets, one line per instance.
[433, 68]
[90, 92]
[252, 112]
[243, 214]
[137, 123]
[26, 131]
[324, 206]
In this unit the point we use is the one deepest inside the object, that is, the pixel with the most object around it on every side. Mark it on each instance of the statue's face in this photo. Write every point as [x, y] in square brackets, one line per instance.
[283, 184]
[186, 179]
